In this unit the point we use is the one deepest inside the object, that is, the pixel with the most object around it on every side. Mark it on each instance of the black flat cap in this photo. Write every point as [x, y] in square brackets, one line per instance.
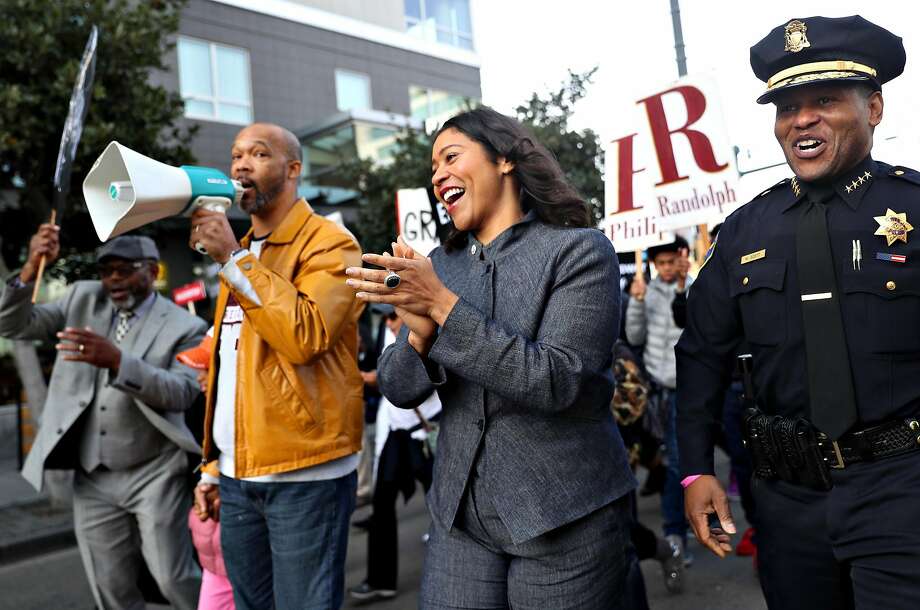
[131, 247]
[825, 49]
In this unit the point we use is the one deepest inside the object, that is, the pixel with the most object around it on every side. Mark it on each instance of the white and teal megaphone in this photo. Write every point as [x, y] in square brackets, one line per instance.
[125, 190]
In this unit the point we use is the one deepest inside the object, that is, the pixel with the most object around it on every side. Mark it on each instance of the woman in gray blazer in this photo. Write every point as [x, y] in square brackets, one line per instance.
[513, 322]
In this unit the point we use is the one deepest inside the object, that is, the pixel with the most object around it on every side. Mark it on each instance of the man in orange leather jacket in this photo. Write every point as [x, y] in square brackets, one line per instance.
[284, 400]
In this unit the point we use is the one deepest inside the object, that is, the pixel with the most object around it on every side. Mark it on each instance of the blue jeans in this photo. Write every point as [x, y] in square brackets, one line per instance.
[672, 497]
[284, 544]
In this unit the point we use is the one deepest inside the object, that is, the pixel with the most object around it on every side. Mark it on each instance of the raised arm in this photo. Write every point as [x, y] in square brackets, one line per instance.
[570, 354]
[300, 318]
[18, 318]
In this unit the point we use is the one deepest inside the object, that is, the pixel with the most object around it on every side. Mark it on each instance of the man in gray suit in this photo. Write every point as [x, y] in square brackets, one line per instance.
[114, 414]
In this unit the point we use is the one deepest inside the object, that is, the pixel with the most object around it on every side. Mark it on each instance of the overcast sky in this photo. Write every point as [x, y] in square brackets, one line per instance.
[528, 45]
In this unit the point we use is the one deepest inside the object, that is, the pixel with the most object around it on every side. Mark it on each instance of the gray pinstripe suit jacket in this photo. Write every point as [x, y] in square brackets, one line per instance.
[523, 368]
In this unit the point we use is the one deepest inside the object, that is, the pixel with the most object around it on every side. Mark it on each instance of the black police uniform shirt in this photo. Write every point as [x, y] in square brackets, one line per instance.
[748, 291]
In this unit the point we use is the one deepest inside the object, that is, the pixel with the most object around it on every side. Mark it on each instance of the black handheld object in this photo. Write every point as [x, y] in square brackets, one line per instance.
[745, 363]
[73, 127]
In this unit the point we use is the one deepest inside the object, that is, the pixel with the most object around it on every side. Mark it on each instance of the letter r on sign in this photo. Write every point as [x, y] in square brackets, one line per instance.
[703, 153]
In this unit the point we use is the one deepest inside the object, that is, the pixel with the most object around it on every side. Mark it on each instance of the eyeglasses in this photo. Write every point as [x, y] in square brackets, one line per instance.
[122, 269]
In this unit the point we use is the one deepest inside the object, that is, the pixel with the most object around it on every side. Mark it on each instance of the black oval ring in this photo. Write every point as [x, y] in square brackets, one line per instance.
[392, 280]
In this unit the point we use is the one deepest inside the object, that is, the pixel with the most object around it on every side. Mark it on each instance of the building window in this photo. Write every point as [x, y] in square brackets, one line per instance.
[434, 105]
[214, 81]
[352, 91]
[445, 21]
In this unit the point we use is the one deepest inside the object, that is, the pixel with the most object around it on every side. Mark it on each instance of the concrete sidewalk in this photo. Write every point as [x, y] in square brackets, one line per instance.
[29, 524]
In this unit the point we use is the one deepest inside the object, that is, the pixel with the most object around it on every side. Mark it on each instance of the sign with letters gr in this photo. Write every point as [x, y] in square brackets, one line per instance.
[420, 219]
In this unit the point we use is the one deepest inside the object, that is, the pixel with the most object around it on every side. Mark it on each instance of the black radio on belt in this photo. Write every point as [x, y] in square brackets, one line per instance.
[793, 450]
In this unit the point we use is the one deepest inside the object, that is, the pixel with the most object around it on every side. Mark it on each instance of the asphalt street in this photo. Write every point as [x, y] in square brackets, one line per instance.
[55, 580]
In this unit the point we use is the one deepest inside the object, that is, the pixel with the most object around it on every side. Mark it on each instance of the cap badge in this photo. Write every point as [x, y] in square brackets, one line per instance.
[893, 226]
[796, 39]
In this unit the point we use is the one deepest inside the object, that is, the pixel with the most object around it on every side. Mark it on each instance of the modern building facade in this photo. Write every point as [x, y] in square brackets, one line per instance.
[344, 75]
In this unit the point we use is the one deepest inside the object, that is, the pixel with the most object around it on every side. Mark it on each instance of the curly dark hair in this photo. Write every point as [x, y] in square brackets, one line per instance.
[544, 188]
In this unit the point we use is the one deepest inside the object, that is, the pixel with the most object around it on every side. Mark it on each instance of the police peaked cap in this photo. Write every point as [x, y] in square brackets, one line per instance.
[825, 49]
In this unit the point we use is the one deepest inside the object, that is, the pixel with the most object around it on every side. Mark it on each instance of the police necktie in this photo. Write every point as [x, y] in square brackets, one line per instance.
[830, 381]
[124, 324]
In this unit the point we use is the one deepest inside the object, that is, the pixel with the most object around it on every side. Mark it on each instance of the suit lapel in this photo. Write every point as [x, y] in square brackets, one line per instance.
[101, 317]
[150, 326]
[100, 321]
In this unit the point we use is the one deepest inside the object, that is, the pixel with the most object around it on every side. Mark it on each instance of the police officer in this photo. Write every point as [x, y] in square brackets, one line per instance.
[819, 278]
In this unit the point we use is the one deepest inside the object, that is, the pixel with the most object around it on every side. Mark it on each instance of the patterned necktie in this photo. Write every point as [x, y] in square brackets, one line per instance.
[124, 324]
[830, 381]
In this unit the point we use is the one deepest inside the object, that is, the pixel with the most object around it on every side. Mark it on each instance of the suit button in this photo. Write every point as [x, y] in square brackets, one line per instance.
[479, 424]
[745, 281]
[890, 285]
[60, 431]
[103, 408]
[102, 433]
[899, 172]
[82, 404]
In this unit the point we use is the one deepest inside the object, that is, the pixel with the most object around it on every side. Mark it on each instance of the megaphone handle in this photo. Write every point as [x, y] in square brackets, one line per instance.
[41, 266]
[214, 205]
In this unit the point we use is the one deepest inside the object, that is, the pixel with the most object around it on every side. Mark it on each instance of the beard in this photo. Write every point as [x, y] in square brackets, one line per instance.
[264, 195]
[128, 302]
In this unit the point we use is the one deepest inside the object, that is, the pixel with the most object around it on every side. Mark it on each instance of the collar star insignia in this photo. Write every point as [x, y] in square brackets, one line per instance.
[857, 182]
[893, 226]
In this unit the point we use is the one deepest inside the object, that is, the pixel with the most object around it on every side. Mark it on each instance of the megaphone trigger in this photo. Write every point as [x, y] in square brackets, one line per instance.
[213, 204]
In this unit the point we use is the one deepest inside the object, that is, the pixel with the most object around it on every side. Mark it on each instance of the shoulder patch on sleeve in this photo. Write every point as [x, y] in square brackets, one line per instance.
[905, 173]
[710, 251]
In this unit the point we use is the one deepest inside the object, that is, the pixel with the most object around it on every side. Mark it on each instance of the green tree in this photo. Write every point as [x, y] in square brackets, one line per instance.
[44, 42]
[410, 167]
[579, 153]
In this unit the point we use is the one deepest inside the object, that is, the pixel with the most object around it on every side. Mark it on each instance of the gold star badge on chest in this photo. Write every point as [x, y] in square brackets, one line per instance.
[893, 226]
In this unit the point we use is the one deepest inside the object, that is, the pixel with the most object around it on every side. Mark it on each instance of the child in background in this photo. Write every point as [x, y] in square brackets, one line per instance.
[216, 592]
[650, 323]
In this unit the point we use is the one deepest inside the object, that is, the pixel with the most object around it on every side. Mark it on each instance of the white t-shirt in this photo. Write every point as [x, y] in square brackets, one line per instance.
[225, 403]
[391, 417]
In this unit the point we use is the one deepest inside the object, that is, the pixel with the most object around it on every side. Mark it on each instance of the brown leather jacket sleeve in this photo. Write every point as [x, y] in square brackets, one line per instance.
[302, 318]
